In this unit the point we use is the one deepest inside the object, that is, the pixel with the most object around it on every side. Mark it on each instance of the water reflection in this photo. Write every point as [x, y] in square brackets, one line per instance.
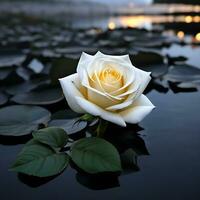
[148, 21]
[98, 181]
[13, 140]
[33, 181]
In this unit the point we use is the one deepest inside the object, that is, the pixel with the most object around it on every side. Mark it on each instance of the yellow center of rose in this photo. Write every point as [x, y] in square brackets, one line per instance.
[108, 80]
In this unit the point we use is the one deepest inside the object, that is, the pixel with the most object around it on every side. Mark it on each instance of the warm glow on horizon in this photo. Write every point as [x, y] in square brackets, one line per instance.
[197, 37]
[134, 21]
[196, 19]
[111, 25]
[180, 35]
[188, 19]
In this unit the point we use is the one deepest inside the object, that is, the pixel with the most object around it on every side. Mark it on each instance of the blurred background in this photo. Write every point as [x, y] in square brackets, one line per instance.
[51, 26]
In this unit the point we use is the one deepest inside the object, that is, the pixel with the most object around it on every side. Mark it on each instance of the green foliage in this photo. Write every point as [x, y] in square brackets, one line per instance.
[41, 156]
[52, 136]
[40, 160]
[95, 155]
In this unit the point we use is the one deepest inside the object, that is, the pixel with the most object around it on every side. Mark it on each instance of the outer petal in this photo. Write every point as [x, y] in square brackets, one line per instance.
[119, 106]
[124, 58]
[138, 111]
[144, 79]
[84, 61]
[97, 111]
[70, 91]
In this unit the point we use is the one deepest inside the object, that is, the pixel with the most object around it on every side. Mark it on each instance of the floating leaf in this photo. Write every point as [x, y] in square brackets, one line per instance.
[157, 71]
[42, 97]
[70, 126]
[189, 85]
[3, 98]
[146, 59]
[176, 59]
[65, 114]
[40, 160]
[11, 58]
[95, 155]
[26, 86]
[62, 67]
[4, 72]
[36, 66]
[176, 89]
[183, 73]
[22, 120]
[24, 73]
[52, 136]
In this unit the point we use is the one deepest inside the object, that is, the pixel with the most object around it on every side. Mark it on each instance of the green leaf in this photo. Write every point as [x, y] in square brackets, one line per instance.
[22, 120]
[95, 155]
[40, 160]
[52, 136]
[87, 117]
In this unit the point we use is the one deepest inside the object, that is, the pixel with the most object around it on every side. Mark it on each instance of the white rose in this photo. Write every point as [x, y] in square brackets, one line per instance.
[109, 87]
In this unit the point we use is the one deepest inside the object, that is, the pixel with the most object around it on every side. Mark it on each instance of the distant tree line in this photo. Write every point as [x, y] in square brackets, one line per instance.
[178, 1]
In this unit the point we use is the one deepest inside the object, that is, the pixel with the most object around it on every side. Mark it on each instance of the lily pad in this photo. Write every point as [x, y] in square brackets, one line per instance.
[21, 120]
[146, 59]
[62, 67]
[65, 114]
[42, 97]
[4, 72]
[157, 70]
[36, 66]
[183, 73]
[24, 73]
[188, 85]
[26, 86]
[3, 98]
[9, 59]
[69, 125]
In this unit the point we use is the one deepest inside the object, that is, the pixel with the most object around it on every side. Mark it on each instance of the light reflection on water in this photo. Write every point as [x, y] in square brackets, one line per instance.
[147, 21]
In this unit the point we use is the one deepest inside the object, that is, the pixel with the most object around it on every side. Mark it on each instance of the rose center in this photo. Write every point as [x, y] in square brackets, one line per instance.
[110, 79]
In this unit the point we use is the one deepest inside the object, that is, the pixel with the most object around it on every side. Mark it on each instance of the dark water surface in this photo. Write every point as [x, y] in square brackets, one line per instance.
[172, 136]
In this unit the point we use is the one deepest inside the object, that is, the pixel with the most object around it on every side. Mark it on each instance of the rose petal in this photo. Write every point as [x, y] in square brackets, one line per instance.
[95, 110]
[136, 113]
[84, 61]
[70, 91]
[100, 100]
[119, 106]
[143, 80]
[124, 58]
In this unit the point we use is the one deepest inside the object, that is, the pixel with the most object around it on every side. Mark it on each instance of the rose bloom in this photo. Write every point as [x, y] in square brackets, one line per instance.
[109, 87]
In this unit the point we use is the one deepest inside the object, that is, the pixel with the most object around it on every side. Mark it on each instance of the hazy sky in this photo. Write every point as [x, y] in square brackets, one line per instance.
[123, 1]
